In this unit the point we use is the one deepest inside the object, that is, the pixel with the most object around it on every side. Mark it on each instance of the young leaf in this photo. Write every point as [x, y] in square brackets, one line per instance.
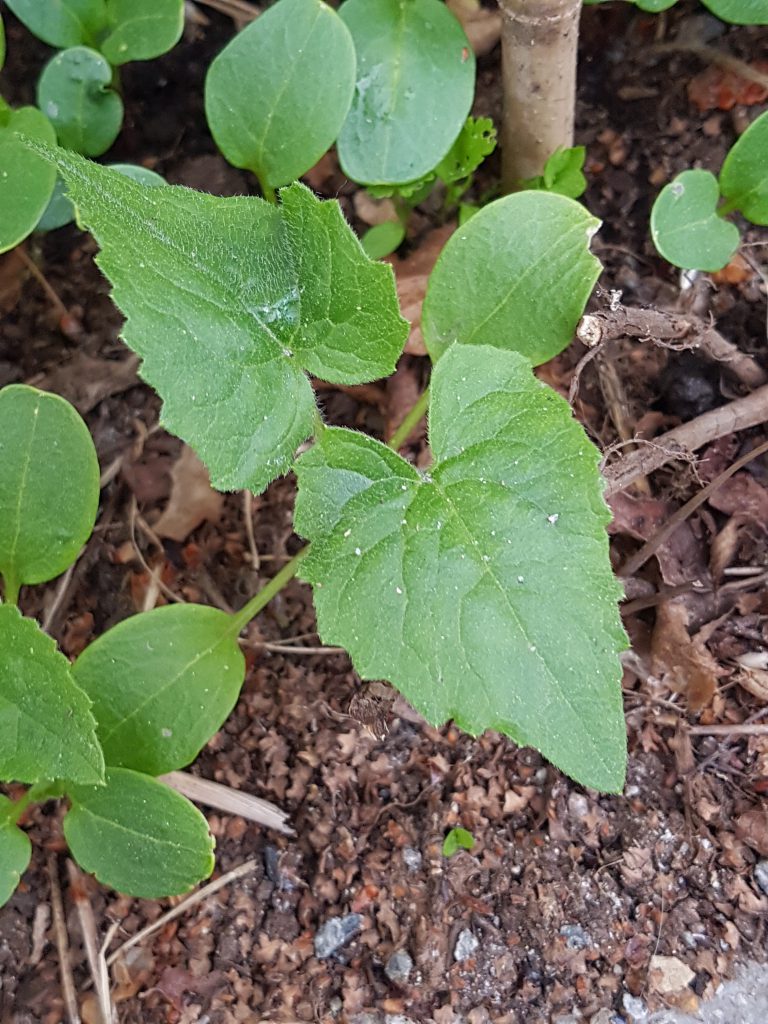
[49, 485]
[74, 92]
[141, 29]
[229, 301]
[476, 141]
[382, 239]
[63, 22]
[516, 276]
[562, 173]
[685, 226]
[457, 839]
[26, 180]
[482, 590]
[415, 83]
[740, 12]
[47, 730]
[744, 175]
[15, 853]
[277, 95]
[161, 684]
[138, 836]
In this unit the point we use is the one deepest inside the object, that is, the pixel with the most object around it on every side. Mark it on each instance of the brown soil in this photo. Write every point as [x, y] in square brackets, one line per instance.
[567, 895]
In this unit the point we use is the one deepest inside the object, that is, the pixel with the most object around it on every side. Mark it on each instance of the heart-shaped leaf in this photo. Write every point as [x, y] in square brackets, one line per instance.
[26, 180]
[74, 92]
[47, 730]
[685, 226]
[161, 684]
[483, 589]
[138, 836]
[744, 175]
[740, 12]
[61, 23]
[15, 853]
[141, 29]
[415, 83]
[49, 486]
[230, 301]
[516, 276]
[277, 95]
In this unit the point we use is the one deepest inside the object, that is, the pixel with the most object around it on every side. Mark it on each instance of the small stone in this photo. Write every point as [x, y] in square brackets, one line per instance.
[398, 1018]
[399, 967]
[668, 975]
[335, 934]
[466, 944]
[604, 1016]
[635, 1007]
[575, 936]
[412, 858]
[761, 875]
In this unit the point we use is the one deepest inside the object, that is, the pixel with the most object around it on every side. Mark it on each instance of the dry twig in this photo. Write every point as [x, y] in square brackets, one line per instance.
[62, 942]
[96, 961]
[232, 801]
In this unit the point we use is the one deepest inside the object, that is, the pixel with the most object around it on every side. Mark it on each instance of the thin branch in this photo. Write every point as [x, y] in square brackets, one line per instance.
[728, 730]
[231, 801]
[62, 942]
[96, 962]
[295, 649]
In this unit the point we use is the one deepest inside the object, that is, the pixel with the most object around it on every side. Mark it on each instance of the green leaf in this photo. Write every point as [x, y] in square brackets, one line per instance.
[685, 226]
[261, 293]
[138, 836]
[415, 83]
[744, 175]
[457, 839]
[483, 589]
[562, 173]
[476, 141]
[15, 853]
[516, 276]
[277, 95]
[740, 12]
[46, 726]
[26, 180]
[139, 174]
[49, 485]
[161, 683]
[655, 6]
[141, 29]
[61, 23]
[74, 92]
[60, 210]
[382, 239]
[2, 43]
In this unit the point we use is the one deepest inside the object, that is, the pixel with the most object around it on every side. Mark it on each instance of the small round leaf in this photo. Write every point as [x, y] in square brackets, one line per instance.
[63, 22]
[516, 276]
[744, 175]
[59, 210]
[138, 836]
[382, 239]
[277, 95]
[15, 854]
[26, 179]
[685, 226]
[47, 730]
[75, 92]
[141, 29]
[49, 485]
[161, 684]
[414, 89]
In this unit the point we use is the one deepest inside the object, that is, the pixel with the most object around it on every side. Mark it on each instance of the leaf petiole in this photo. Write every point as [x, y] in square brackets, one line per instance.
[403, 432]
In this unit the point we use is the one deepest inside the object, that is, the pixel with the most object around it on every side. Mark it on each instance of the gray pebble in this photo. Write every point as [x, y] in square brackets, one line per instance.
[412, 858]
[335, 934]
[466, 944]
[575, 936]
[761, 875]
[399, 967]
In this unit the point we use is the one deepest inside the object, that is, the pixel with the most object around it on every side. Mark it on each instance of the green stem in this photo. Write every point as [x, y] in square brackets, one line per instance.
[11, 590]
[267, 191]
[34, 795]
[727, 207]
[403, 432]
[250, 610]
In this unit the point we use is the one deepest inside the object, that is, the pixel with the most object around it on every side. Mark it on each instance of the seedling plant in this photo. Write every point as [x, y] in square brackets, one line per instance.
[481, 587]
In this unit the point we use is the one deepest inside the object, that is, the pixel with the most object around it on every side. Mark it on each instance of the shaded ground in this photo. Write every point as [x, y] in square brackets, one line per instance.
[570, 906]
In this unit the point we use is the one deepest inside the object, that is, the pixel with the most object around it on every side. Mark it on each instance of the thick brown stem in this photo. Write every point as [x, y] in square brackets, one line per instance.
[539, 41]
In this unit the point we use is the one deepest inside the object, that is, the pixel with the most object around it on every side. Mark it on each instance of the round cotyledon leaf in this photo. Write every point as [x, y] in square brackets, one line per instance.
[141, 29]
[47, 730]
[74, 91]
[277, 95]
[138, 836]
[685, 226]
[516, 276]
[744, 174]
[49, 486]
[61, 22]
[161, 684]
[15, 853]
[482, 589]
[26, 180]
[414, 89]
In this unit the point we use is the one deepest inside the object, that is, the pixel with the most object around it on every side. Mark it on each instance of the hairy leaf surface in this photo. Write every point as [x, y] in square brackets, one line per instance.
[47, 730]
[230, 302]
[483, 589]
[516, 276]
[161, 684]
[138, 836]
